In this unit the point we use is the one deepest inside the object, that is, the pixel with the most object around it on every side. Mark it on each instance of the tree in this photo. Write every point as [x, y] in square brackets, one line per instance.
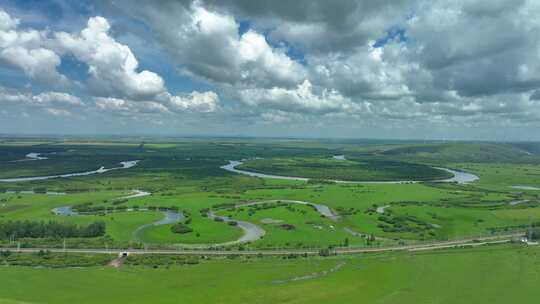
[370, 239]
[324, 252]
[181, 228]
[534, 234]
[35, 229]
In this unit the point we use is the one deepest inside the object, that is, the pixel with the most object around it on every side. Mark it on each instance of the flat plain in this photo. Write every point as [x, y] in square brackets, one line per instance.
[177, 197]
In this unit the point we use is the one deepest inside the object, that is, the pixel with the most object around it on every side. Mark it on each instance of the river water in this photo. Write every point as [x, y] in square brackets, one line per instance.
[322, 209]
[125, 165]
[136, 193]
[169, 217]
[251, 231]
[35, 156]
[459, 177]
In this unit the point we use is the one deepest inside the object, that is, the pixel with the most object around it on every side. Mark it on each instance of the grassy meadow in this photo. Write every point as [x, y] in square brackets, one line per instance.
[184, 176]
[493, 274]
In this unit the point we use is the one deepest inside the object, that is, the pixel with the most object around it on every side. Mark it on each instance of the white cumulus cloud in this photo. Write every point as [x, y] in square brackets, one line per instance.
[112, 65]
[27, 50]
[301, 99]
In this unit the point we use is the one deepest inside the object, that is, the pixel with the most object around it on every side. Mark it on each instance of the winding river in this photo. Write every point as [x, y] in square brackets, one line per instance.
[322, 209]
[459, 177]
[251, 232]
[169, 217]
[125, 165]
[32, 156]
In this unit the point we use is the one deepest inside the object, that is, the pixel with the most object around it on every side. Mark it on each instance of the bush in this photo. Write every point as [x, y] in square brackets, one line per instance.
[287, 226]
[324, 252]
[535, 234]
[181, 228]
[54, 260]
[160, 260]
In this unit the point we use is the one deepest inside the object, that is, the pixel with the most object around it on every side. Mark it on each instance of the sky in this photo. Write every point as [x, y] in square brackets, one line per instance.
[410, 69]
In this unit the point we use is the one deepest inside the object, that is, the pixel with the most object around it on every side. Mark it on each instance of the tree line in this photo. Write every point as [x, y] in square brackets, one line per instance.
[51, 229]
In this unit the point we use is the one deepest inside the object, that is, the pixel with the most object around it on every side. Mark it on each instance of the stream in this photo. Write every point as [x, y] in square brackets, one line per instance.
[125, 165]
[459, 177]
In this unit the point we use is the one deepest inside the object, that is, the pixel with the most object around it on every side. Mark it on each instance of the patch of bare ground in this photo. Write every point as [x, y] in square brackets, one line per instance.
[117, 263]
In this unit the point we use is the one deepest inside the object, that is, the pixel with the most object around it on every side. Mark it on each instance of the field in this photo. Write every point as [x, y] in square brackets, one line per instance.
[186, 177]
[499, 274]
[177, 196]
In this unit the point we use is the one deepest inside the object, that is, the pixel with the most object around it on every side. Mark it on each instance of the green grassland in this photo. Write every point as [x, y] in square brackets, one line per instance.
[494, 274]
[502, 177]
[186, 176]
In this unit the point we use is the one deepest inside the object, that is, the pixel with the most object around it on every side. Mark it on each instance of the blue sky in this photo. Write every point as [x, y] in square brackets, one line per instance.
[385, 69]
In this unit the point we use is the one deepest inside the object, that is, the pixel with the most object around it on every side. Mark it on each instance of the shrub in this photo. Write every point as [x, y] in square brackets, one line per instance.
[535, 234]
[181, 228]
[287, 226]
